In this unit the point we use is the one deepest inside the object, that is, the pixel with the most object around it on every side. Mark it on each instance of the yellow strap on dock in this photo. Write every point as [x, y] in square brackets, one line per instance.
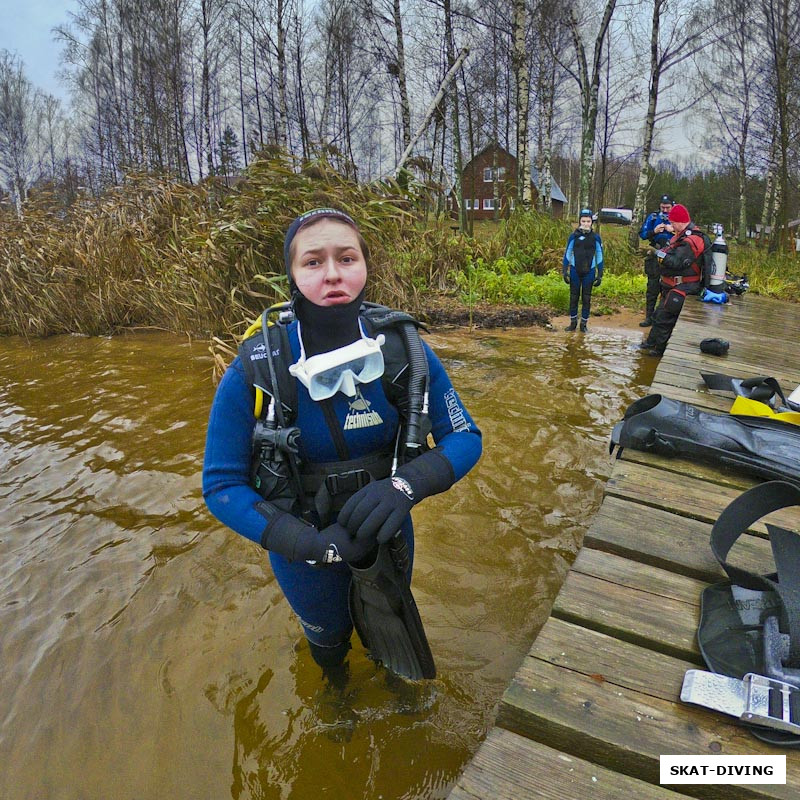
[746, 407]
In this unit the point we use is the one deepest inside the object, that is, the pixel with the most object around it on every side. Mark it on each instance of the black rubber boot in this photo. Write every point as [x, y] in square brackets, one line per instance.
[572, 324]
[329, 657]
[583, 326]
[646, 322]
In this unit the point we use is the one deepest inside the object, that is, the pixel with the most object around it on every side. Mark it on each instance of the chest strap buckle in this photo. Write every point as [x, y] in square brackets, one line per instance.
[347, 482]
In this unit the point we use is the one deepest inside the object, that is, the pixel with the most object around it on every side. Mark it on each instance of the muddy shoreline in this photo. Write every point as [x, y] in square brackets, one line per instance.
[483, 315]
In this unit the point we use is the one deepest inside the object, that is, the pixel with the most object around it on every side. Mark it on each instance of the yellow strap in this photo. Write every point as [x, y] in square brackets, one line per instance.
[255, 327]
[747, 407]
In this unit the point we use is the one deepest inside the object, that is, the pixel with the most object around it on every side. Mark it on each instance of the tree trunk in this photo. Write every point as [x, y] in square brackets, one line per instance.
[640, 200]
[769, 189]
[546, 152]
[283, 113]
[457, 160]
[405, 107]
[589, 88]
[522, 83]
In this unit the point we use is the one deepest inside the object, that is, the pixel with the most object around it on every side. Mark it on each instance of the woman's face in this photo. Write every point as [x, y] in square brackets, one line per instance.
[679, 227]
[328, 265]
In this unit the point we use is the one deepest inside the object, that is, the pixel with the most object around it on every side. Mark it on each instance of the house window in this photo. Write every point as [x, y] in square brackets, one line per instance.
[490, 174]
[476, 204]
[467, 203]
[513, 203]
[488, 203]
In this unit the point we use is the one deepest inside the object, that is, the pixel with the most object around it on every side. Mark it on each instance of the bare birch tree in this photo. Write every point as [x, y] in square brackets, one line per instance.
[736, 70]
[588, 80]
[683, 36]
[16, 111]
[387, 19]
[782, 35]
[522, 85]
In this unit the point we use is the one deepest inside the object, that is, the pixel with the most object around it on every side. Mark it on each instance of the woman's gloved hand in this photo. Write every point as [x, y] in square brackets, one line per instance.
[339, 542]
[296, 540]
[565, 276]
[598, 280]
[377, 510]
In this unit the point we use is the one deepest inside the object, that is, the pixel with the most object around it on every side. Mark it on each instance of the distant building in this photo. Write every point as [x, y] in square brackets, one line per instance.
[478, 178]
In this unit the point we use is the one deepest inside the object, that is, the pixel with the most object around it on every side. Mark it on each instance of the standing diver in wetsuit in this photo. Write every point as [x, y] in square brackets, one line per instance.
[344, 498]
[582, 268]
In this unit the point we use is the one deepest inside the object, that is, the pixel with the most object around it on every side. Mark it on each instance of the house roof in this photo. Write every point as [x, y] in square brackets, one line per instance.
[555, 189]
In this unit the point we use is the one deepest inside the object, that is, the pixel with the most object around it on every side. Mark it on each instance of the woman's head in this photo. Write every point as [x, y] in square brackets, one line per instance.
[326, 257]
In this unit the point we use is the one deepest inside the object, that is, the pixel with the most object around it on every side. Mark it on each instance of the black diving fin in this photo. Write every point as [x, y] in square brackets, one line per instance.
[385, 615]
[761, 446]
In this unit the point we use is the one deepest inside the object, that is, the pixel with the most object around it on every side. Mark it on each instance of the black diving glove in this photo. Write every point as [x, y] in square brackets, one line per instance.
[296, 540]
[378, 510]
[597, 281]
[565, 276]
[347, 547]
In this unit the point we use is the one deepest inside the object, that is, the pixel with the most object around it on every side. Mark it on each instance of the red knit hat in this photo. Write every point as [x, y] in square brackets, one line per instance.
[679, 213]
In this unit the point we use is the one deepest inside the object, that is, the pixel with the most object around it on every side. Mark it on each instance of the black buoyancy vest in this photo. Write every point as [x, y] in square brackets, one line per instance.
[377, 319]
[275, 470]
[584, 248]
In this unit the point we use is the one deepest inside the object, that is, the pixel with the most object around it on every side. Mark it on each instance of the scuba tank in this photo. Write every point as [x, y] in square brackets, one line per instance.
[719, 255]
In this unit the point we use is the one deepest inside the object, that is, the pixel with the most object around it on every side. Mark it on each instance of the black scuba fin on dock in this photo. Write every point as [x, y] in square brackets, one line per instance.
[760, 446]
[385, 615]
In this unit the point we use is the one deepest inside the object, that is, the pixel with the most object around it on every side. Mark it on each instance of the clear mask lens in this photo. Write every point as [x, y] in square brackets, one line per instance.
[340, 370]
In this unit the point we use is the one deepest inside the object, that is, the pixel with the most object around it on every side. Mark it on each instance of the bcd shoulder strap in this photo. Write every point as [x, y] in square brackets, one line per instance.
[254, 356]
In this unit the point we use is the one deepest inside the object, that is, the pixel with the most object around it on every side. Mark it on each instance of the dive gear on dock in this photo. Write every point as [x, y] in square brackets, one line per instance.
[764, 447]
[750, 625]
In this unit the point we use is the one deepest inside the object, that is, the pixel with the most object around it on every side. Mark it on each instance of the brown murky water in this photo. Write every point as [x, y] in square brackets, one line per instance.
[147, 651]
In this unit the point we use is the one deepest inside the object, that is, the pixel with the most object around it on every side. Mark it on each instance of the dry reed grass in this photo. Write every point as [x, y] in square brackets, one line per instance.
[201, 260]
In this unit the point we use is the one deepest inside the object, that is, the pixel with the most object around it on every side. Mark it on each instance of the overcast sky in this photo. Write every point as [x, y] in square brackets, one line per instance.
[26, 29]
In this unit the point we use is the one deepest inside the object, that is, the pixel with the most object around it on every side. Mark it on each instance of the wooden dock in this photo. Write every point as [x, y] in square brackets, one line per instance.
[596, 700]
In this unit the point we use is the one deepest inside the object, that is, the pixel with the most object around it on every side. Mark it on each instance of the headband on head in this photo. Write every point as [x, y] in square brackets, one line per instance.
[306, 219]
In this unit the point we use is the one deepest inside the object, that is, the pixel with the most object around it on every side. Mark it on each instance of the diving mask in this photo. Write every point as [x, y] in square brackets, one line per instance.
[341, 369]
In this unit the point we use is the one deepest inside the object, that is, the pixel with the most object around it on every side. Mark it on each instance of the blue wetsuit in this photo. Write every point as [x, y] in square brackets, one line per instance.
[338, 429]
[582, 265]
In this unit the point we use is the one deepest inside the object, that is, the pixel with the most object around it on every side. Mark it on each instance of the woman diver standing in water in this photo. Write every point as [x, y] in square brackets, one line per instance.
[316, 448]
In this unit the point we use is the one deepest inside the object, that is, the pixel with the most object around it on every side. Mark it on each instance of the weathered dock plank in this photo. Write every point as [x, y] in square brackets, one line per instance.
[632, 601]
[510, 767]
[673, 542]
[697, 499]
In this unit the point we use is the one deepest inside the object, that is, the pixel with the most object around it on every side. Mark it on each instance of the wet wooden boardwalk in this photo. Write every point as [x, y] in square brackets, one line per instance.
[596, 700]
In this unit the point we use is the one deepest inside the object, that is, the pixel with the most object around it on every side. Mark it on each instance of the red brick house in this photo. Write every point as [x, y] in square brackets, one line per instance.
[478, 178]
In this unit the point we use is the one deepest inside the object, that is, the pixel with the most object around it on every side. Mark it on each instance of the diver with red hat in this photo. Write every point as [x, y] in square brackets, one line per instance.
[680, 264]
